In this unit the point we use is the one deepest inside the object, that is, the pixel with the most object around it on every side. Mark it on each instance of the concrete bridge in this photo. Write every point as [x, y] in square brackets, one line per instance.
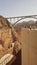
[19, 18]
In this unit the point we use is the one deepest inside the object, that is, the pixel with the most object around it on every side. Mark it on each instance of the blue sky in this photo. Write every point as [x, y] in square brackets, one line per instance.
[18, 7]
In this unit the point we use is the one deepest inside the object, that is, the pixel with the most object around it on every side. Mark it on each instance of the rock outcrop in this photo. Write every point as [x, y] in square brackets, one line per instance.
[7, 36]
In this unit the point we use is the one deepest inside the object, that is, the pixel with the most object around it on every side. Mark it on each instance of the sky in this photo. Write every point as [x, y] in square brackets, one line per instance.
[11, 8]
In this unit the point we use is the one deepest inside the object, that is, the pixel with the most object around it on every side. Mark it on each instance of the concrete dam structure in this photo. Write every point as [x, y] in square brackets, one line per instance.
[29, 46]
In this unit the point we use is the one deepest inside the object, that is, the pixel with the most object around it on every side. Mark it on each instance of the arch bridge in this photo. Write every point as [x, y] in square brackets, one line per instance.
[19, 18]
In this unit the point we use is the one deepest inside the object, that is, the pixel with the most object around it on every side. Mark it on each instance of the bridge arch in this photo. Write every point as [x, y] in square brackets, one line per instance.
[19, 18]
[22, 19]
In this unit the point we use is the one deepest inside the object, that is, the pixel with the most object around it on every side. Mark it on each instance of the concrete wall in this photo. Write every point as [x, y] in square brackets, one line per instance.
[29, 46]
